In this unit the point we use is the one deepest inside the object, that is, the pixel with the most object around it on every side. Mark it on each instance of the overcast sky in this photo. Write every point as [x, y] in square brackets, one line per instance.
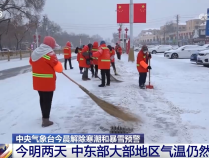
[99, 17]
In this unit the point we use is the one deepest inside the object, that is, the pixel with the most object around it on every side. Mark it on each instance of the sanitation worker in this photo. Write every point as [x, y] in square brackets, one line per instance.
[67, 55]
[112, 57]
[118, 50]
[78, 59]
[142, 65]
[85, 61]
[103, 55]
[95, 59]
[44, 64]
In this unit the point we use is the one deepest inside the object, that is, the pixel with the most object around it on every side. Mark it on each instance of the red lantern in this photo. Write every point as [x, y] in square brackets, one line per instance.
[126, 32]
[119, 30]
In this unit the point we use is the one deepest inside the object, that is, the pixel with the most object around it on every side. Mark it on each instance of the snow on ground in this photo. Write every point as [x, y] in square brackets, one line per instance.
[13, 63]
[174, 112]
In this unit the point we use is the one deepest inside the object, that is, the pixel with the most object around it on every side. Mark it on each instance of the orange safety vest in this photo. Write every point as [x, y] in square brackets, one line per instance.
[95, 59]
[104, 59]
[67, 52]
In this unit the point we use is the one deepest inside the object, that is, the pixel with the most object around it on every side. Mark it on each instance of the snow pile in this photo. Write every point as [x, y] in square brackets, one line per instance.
[175, 111]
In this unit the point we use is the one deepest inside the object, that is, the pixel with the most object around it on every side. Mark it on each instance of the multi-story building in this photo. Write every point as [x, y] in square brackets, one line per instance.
[168, 34]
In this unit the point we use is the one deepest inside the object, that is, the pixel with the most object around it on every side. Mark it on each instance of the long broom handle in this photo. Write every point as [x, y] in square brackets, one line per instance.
[70, 79]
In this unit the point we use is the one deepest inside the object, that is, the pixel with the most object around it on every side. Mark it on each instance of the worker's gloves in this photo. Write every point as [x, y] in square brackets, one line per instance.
[149, 67]
[149, 56]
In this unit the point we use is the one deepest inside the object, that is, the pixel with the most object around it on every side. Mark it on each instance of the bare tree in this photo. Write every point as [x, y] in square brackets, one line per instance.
[169, 27]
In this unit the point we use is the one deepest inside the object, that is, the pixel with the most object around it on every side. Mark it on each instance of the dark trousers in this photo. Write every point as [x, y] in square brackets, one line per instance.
[69, 60]
[105, 73]
[45, 103]
[142, 78]
[81, 68]
[113, 66]
[85, 73]
[118, 55]
[92, 70]
[96, 70]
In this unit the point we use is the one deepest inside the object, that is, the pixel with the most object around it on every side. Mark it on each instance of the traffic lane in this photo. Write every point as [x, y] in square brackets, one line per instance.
[4, 74]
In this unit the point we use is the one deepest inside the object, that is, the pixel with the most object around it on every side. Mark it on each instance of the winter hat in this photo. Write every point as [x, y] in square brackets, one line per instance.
[102, 42]
[110, 48]
[144, 48]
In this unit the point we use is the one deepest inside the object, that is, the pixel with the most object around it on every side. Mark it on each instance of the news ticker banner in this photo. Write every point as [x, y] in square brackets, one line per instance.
[97, 145]
[110, 150]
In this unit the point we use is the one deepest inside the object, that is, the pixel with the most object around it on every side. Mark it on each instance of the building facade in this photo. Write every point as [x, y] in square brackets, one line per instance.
[164, 35]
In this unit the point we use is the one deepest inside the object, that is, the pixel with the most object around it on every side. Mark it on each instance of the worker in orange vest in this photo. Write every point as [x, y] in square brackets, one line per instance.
[142, 65]
[95, 60]
[103, 55]
[44, 64]
[85, 61]
[78, 58]
[67, 55]
[112, 58]
[118, 50]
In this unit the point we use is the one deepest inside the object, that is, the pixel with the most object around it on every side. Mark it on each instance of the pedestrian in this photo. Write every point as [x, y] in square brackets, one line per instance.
[142, 65]
[118, 50]
[78, 59]
[67, 55]
[95, 59]
[112, 58]
[85, 61]
[44, 64]
[103, 55]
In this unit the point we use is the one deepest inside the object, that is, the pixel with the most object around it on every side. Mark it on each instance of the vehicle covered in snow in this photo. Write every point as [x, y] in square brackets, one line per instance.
[159, 49]
[184, 52]
[203, 58]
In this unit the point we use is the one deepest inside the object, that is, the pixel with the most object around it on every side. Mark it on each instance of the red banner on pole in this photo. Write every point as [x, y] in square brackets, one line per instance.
[122, 13]
[140, 12]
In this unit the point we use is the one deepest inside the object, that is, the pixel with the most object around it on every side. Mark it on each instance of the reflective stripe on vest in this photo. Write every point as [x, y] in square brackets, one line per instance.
[110, 51]
[66, 54]
[66, 48]
[46, 57]
[144, 56]
[81, 58]
[94, 58]
[105, 60]
[43, 75]
[105, 48]
[94, 49]
[137, 65]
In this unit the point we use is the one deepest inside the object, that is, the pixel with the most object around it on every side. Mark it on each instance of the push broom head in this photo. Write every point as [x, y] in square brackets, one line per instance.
[149, 86]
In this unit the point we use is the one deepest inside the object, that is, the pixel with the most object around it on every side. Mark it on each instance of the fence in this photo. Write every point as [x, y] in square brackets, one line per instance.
[21, 54]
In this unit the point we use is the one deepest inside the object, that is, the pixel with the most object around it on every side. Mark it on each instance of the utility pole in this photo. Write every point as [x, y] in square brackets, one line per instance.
[177, 30]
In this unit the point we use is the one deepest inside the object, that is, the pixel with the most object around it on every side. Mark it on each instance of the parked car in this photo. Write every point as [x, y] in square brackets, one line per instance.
[5, 51]
[203, 58]
[160, 49]
[136, 48]
[183, 52]
[193, 57]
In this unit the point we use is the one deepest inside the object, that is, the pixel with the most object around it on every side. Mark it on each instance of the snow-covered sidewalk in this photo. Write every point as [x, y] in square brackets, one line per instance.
[13, 63]
[174, 112]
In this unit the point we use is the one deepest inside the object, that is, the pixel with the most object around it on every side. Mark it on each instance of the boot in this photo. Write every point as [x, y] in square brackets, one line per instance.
[88, 79]
[81, 72]
[46, 122]
[101, 85]
[107, 84]
[142, 87]
[71, 68]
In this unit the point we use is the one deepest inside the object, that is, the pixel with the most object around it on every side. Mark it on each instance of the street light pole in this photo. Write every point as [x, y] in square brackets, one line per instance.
[131, 53]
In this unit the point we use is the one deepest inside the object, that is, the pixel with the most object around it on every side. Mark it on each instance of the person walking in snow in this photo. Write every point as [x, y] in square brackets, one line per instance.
[142, 65]
[44, 64]
[67, 55]
[118, 50]
[103, 55]
[112, 57]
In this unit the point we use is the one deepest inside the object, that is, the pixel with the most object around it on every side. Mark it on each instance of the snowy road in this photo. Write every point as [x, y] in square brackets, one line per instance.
[18, 70]
[176, 111]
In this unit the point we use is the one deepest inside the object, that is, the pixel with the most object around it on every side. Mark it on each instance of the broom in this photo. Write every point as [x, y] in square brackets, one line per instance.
[149, 86]
[107, 107]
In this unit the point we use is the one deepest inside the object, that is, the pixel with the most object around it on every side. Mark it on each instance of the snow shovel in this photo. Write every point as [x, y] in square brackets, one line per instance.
[107, 107]
[149, 86]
